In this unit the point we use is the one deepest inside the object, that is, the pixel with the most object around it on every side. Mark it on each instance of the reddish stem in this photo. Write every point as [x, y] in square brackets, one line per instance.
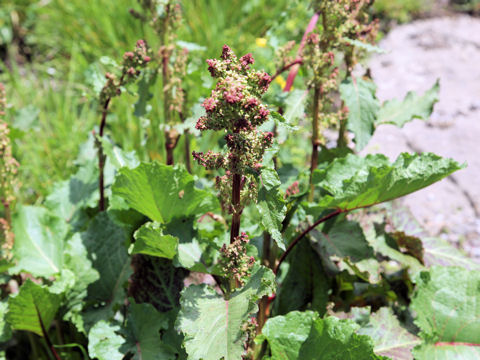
[236, 188]
[286, 67]
[294, 69]
[303, 234]
[453, 343]
[101, 157]
[45, 335]
[315, 139]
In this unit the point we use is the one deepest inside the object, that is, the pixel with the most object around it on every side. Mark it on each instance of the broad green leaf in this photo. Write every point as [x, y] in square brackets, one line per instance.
[359, 96]
[39, 241]
[335, 339]
[436, 251]
[345, 240]
[295, 106]
[162, 192]
[306, 285]
[295, 102]
[156, 281]
[286, 334]
[76, 260]
[5, 330]
[143, 334]
[271, 206]
[144, 95]
[303, 335]
[32, 303]
[446, 352]
[384, 244]
[150, 240]
[80, 191]
[212, 325]
[354, 182]
[282, 122]
[389, 337]
[398, 112]
[105, 243]
[447, 304]
[118, 157]
[104, 343]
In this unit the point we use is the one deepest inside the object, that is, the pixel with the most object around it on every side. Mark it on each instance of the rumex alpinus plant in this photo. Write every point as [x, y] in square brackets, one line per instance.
[282, 261]
[235, 108]
[165, 17]
[133, 61]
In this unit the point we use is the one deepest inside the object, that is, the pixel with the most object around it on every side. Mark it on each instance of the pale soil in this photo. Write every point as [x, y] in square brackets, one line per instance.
[447, 48]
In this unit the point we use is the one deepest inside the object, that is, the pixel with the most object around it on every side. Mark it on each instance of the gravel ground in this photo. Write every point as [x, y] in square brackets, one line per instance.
[447, 48]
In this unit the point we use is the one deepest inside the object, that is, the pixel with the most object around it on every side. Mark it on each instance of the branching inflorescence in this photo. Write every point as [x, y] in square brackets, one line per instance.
[8, 178]
[133, 62]
[235, 108]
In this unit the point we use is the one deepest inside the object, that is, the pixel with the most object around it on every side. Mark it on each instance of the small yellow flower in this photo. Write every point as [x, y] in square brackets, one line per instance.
[261, 42]
[280, 81]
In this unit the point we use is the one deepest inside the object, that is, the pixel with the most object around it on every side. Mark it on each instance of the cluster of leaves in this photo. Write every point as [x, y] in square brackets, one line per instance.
[142, 264]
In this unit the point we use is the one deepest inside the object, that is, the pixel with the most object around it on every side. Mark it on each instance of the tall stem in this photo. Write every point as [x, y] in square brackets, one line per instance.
[47, 338]
[315, 138]
[236, 188]
[342, 138]
[101, 157]
[188, 155]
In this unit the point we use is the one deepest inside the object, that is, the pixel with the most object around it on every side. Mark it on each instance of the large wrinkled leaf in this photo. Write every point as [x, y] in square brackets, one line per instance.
[436, 251]
[162, 192]
[104, 343]
[359, 96]
[39, 241]
[212, 325]
[345, 240]
[156, 281]
[384, 244]
[117, 156]
[278, 333]
[295, 106]
[334, 339]
[302, 335]
[354, 182]
[271, 206]
[32, 303]
[143, 333]
[447, 303]
[389, 337]
[150, 240]
[105, 243]
[79, 192]
[144, 95]
[398, 112]
[305, 285]
[77, 262]
[446, 352]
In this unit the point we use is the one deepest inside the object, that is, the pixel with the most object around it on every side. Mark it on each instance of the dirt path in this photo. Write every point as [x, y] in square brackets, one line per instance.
[447, 48]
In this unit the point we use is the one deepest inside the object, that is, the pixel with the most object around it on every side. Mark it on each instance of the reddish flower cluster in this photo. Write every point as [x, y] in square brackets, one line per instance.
[8, 178]
[235, 107]
[236, 264]
[132, 63]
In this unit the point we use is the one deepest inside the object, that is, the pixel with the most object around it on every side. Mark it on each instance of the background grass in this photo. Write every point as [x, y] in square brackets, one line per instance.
[53, 50]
